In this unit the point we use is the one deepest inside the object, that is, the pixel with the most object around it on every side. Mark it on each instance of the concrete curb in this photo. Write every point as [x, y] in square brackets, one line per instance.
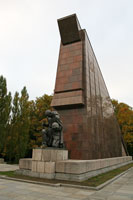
[68, 185]
[29, 181]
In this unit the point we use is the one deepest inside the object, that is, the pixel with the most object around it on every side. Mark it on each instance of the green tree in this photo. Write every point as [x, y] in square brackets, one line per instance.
[37, 116]
[24, 124]
[20, 122]
[5, 108]
[13, 133]
[18, 139]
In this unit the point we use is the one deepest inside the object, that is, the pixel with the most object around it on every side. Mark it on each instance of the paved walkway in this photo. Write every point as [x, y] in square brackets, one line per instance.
[121, 189]
[6, 167]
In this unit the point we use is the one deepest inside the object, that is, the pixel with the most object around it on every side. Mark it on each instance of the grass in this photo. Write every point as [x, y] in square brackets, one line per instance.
[93, 182]
[101, 178]
[8, 173]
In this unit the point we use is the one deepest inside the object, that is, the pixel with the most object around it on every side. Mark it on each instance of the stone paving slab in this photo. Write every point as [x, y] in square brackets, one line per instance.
[120, 189]
[6, 167]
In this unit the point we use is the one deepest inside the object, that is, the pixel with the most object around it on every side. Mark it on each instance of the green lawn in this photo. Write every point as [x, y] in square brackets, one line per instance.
[94, 181]
[98, 180]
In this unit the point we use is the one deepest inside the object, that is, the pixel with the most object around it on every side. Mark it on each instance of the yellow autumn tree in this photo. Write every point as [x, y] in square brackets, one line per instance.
[124, 114]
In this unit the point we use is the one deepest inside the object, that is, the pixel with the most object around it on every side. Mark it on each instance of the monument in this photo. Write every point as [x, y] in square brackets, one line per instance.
[81, 97]
[90, 131]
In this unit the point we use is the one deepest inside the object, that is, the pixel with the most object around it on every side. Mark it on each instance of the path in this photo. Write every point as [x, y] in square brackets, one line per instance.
[121, 189]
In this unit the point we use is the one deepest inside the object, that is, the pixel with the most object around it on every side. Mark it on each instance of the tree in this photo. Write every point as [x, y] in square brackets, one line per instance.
[18, 138]
[5, 108]
[12, 139]
[124, 114]
[37, 116]
[24, 124]
[20, 122]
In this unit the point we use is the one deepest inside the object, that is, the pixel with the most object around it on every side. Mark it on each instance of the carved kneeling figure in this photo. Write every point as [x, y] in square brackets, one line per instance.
[52, 134]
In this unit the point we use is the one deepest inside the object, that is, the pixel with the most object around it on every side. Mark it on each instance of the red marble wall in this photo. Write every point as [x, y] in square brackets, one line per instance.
[82, 100]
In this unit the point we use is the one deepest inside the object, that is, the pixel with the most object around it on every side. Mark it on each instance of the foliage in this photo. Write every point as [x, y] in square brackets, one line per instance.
[124, 114]
[20, 123]
[37, 115]
[18, 137]
[5, 108]
[12, 139]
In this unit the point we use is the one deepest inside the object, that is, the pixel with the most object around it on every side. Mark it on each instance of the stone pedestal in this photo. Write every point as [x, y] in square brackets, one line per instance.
[47, 155]
[79, 170]
[54, 164]
[43, 160]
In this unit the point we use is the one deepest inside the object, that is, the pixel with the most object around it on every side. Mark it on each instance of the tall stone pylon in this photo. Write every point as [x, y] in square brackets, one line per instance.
[81, 97]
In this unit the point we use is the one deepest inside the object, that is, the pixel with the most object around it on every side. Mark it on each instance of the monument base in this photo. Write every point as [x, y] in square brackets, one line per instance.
[81, 171]
[25, 163]
[54, 164]
[43, 162]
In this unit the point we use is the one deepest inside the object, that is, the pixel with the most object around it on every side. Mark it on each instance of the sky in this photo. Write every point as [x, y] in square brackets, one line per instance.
[30, 40]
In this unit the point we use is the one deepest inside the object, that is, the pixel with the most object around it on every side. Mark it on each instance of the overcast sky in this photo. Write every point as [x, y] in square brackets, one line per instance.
[29, 42]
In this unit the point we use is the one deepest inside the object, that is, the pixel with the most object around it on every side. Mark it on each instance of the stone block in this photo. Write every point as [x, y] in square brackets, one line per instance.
[71, 166]
[60, 166]
[103, 163]
[54, 155]
[62, 155]
[125, 159]
[62, 176]
[59, 156]
[75, 167]
[47, 176]
[83, 166]
[49, 167]
[46, 155]
[129, 158]
[40, 167]
[34, 174]
[25, 172]
[115, 161]
[34, 166]
[106, 163]
[25, 163]
[37, 154]
[110, 161]
[92, 165]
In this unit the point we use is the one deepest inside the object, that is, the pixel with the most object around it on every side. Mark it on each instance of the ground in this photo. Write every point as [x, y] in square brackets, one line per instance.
[6, 167]
[121, 189]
